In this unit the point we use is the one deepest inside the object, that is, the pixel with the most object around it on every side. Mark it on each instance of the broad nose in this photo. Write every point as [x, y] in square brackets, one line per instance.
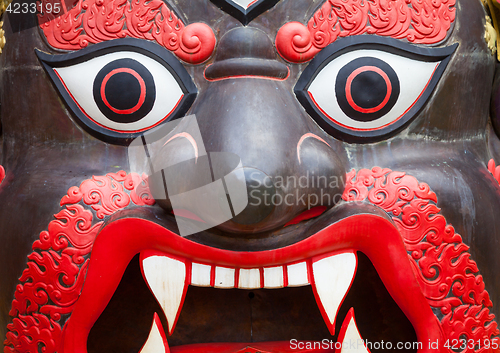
[279, 190]
[278, 186]
[248, 109]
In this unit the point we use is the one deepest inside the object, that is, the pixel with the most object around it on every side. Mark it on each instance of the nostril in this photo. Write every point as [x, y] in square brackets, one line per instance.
[261, 191]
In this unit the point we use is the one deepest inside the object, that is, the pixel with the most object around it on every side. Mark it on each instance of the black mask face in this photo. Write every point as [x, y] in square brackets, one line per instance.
[237, 176]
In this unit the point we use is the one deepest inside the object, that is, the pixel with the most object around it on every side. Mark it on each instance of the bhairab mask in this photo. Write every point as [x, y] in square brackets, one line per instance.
[249, 176]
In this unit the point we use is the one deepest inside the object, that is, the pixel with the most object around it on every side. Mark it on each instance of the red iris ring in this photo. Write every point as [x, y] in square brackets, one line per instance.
[142, 96]
[353, 75]
[366, 89]
[124, 91]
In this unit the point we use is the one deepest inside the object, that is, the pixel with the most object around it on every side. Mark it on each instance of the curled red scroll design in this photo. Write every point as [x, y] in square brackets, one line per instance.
[448, 277]
[418, 21]
[53, 279]
[95, 21]
[494, 170]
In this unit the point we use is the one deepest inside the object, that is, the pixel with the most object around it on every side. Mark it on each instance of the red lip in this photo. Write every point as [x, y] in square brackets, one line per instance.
[373, 235]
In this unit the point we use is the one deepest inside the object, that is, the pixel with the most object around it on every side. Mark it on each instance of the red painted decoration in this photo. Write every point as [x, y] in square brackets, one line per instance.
[447, 276]
[95, 21]
[494, 170]
[343, 330]
[306, 215]
[418, 21]
[374, 235]
[255, 347]
[56, 269]
[250, 349]
[419, 241]
[353, 75]
[139, 79]
[2, 174]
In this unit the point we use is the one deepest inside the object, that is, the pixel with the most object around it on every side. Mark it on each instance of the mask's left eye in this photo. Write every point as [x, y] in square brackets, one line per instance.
[121, 88]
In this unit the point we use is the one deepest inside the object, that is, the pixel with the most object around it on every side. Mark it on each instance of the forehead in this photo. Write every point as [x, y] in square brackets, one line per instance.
[300, 27]
[418, 21]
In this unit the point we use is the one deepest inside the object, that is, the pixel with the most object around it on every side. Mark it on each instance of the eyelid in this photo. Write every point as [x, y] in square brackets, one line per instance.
[389, 45]
[149, 49]
[380, 44]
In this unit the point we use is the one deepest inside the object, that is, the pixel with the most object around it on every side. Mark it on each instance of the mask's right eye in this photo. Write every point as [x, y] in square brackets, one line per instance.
[121, 88]
[365, 89]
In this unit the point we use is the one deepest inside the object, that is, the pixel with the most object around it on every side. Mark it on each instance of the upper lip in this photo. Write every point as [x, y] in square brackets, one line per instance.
[374, 235]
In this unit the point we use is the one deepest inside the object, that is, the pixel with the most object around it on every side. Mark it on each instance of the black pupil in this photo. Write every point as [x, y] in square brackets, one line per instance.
[123, 91]
[368, 89]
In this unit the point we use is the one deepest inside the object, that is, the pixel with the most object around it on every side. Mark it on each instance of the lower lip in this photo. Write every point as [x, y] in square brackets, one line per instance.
[260, 347]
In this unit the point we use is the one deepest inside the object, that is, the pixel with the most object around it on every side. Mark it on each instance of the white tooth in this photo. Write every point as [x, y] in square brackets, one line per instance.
[249, 279]
[167, 280]
[200, 275]
[297, 275]
[224, 277]
[333, 277]
[157, 342]
[350, 337]
[273, 277]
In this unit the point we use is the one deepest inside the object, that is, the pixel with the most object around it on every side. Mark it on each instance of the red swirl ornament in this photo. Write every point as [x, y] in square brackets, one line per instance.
[94, 21]
[494, 170]
[447, 276]
[53, 279]
[418, 21]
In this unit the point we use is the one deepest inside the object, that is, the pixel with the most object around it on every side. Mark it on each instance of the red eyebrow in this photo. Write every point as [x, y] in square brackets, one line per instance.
[94, 21]
[418, 21]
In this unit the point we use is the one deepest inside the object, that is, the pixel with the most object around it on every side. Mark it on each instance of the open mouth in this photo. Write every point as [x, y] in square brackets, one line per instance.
[327, 261]
[424, 274]
[169, 278]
